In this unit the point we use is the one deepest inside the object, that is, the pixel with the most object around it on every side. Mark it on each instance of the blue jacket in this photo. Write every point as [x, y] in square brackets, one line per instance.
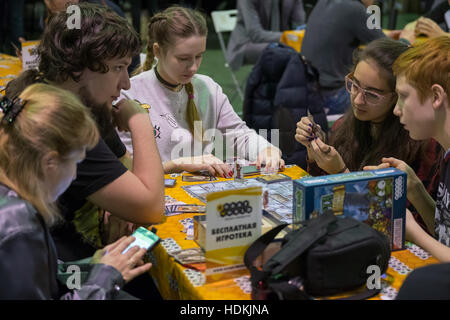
[280, 90]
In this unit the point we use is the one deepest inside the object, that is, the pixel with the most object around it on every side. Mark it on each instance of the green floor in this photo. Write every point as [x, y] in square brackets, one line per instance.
[213, 65]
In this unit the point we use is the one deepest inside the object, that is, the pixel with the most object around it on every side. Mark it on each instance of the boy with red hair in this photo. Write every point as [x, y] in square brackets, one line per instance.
[423, 108]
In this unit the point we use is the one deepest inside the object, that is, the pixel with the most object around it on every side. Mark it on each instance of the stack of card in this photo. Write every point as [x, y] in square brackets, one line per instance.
[171, 200]
[198, 178]
[272, 178]
[175, 209]
[189, 256]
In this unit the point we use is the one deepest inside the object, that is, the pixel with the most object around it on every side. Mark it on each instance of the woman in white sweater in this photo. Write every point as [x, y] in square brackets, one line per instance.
[190, 113]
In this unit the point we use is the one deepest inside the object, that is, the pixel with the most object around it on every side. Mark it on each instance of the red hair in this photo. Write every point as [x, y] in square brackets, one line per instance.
[426, 64]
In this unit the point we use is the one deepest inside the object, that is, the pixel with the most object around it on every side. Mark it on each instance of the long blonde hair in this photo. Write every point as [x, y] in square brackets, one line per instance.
[164, 28]
[52, 119]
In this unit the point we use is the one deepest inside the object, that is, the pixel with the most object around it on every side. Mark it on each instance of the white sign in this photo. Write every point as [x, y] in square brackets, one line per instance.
[30, 57]
[233, 223]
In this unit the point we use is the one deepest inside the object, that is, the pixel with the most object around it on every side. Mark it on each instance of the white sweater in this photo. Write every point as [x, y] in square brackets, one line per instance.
[168, 115]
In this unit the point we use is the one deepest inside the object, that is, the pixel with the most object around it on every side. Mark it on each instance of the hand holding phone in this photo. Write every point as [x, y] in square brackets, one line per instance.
[144, 239]
[130, 264]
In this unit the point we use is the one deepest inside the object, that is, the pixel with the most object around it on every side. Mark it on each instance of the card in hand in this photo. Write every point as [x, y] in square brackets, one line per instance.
[272, 178]
[316, 130]
[198, 178]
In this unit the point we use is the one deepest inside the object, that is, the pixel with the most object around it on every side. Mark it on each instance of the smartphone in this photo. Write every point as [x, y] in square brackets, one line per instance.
[144, 239]
[169, 182]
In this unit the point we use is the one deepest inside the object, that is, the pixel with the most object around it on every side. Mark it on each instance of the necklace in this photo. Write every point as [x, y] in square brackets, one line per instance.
[173, 87]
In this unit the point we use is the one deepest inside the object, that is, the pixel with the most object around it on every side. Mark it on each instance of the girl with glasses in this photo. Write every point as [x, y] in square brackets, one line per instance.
[369, 130]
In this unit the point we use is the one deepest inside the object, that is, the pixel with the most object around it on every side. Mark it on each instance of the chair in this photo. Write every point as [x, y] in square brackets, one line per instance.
[225, 21]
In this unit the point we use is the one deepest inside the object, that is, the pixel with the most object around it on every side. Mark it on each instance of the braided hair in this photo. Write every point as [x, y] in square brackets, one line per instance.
[164, 28]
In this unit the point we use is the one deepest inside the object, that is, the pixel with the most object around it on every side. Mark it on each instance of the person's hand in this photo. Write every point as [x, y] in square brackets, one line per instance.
[412, 179]
[394, 34]
[408, 35]
[271, 158]
[209, 163]
[306, 132]
[123, 111]
[413, 230]
[130, 264]
[382, 165]
[327, 157]
[428, 28]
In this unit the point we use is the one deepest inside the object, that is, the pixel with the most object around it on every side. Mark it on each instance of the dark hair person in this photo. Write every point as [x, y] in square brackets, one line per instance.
[369, 130]
[92, 62]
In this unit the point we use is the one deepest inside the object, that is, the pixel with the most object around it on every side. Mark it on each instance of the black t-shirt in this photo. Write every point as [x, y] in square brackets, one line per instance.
[442, 217]
[100, 167]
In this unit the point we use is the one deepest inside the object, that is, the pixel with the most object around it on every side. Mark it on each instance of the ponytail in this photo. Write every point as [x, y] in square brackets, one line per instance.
[192, 113]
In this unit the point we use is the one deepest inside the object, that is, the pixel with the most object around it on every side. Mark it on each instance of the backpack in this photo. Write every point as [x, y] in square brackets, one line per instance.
[326, 256]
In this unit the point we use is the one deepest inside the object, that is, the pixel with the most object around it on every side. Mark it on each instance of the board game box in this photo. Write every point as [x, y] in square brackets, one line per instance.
[376, 197]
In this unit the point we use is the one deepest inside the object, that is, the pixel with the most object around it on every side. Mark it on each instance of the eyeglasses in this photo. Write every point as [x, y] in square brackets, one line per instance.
[370, 97]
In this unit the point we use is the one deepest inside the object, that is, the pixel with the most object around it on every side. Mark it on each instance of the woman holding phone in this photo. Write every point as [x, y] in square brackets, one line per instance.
[44, 134]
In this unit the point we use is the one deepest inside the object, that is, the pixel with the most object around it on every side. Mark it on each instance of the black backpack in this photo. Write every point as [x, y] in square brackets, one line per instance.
[326, 256]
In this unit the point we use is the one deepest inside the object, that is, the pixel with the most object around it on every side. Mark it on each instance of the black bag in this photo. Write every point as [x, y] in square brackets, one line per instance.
[326, 256]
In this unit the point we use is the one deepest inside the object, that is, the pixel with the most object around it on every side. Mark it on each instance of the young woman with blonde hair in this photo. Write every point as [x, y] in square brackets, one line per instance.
[44, 134]
[181, 101]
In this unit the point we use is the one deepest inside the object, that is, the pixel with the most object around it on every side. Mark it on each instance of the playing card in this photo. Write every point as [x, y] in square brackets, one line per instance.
[273, 178]
[189, 256]
[198, 178]
[171, 200]
[185, 208]
[316, 130]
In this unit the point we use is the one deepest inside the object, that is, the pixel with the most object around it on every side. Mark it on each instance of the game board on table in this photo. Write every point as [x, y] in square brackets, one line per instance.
[177, 282]
[279, 206]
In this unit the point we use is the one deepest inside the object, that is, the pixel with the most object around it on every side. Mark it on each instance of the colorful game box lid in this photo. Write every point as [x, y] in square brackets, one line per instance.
[376, 197]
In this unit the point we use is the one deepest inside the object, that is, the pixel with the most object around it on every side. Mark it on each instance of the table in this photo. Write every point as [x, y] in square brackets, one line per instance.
[10, 68]
[177, 282]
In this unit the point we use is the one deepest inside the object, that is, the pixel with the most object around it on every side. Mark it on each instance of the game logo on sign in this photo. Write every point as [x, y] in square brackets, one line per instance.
[377, 198]
[30, 57]
[233, 222]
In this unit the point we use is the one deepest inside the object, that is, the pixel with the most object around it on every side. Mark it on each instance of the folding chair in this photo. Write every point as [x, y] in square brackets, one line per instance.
[225, 21]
